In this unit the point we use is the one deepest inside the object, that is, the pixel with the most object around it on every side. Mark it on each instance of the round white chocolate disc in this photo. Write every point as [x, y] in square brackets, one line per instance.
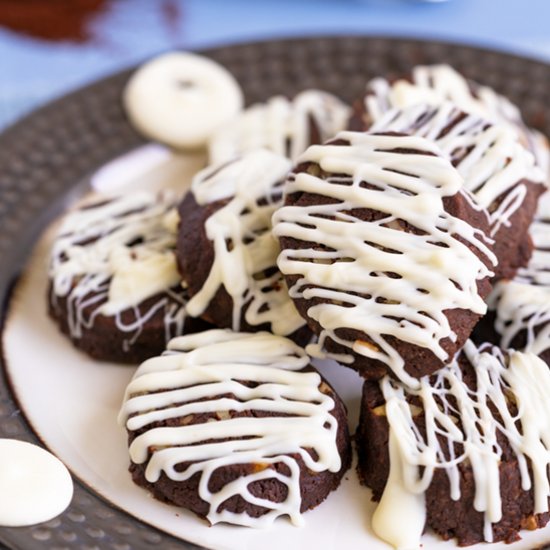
[181, 98]
[35, 486]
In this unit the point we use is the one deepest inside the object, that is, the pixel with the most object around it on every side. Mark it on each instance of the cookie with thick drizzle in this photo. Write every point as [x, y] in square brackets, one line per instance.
[227, 253]
[434, 84]
[236, 427]
[385, 254]
[114, 287]
[497, 169]
[465, 454]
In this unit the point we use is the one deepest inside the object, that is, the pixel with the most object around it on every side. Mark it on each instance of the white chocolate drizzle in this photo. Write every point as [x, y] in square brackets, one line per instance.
[375, 277]
[280, 125]
[523, 304]
[112, 256]
[461, 426]
[398, 501]
[245, 251]
[220, 371]
[488, 156]
[437, 83]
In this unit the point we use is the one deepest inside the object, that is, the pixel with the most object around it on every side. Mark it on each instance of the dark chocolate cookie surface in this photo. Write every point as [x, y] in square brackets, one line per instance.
[452, 454]
[227, 253]
[236, 427]
[114, 287]
[384, 254]
[519, 314]
[497, 169]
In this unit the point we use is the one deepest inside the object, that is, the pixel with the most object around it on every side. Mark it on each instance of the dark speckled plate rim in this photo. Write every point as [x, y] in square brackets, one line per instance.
[46, 158]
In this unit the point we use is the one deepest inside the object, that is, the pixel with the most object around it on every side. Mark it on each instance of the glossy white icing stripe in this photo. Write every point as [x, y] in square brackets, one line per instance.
[35, 486]
[245, 251]
[462, 424]
[189, 380]
[349, 264]
[488, 156]
[400, 515]
[280, 125]
[437, 83]
[123, 252]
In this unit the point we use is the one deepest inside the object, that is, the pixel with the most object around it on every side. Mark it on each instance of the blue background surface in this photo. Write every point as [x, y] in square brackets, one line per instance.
[33, 71]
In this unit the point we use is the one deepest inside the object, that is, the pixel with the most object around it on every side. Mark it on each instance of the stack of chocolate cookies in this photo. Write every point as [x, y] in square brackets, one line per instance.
[405, 238]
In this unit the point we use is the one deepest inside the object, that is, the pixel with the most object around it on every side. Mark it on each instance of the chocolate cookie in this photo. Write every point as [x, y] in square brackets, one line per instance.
[226, 251]
[519, 314]
[434, 84]
[114, 286]
[497, 169]
[384, 253]
[286, 127]
[236, 427]
[465, 454]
